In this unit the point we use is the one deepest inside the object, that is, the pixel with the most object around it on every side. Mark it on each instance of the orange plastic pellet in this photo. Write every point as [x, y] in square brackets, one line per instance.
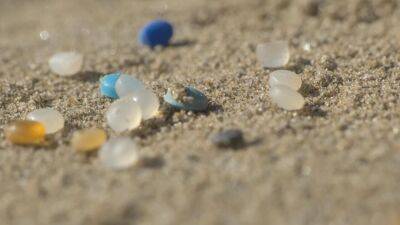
[88, 139]
[25, 132]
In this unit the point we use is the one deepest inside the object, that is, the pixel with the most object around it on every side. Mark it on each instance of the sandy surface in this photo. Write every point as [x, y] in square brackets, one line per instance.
[335, 162]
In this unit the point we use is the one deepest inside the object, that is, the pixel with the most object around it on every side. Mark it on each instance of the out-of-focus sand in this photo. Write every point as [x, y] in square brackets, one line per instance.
[335, 162]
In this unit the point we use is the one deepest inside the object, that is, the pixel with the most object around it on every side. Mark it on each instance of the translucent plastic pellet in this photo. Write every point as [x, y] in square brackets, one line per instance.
[148, 102]
[286, 78]
[273, 54]
[66, 63]
[53, 120]
[119, 153]
[25, 132]
[127, 85]
[124, 115]
[286, 97]
[89, 139]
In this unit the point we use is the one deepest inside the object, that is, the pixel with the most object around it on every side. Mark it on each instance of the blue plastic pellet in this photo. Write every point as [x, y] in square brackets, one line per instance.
[157, 32]
[199, 102]
[107, 85]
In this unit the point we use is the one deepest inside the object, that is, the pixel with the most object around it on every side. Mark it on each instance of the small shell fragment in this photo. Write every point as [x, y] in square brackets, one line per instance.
[124, 115]
[66, 63]
[273, 54]
[286, 78]
[88, 139]
[286, 97]
[119, 153]
[25, 132]
[186, 98]
[127, 85]
[50, 118]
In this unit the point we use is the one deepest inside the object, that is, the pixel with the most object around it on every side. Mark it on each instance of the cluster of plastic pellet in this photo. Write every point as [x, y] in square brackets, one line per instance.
[135, 102]
[283, 84]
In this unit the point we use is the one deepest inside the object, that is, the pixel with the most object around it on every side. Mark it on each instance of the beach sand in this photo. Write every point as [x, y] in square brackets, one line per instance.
[337, 161]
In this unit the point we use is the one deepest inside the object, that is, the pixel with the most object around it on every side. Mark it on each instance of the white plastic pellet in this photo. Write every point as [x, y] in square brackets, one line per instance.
[286, 78]
[66, 63]
[119, 153]
[286, 97]
[127, 84]
[124, 115]
[52, 120]
[273, 54]
[148, 103]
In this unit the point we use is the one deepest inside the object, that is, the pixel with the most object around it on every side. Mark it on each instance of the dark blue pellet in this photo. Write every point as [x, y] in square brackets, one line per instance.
[157, 32]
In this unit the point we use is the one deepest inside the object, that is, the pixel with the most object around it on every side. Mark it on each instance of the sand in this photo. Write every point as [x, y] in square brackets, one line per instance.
[337, 161]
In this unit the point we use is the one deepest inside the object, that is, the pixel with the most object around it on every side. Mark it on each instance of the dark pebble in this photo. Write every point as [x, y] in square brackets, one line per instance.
[232, 138]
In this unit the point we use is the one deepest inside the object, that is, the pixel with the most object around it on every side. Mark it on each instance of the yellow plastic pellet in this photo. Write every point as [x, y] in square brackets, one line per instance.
[25, 132]
[87, 140]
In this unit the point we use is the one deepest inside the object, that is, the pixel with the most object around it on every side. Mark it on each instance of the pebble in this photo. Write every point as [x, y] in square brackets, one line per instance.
[88, 139]
[25, 132]
[124, 115]
[186, 98]
[157, 32]
[273, 54]
[66, 63]
[286, 97]
[119, 153]
[147, 101]
[228, 138]
[286, 78]
[128, 85]
[107, 85]
[52, 120]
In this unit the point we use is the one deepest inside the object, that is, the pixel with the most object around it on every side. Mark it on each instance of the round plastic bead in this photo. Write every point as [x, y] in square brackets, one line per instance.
[52, 120]
[66, 63]
[89, 139]
[157, 32]
[127, 85]
[119, 153]
[124, 115]
[286, 97]
[107, 85]
[286, 78]
[148, 103]
[191, 99]
[274, 54]
[25, 132]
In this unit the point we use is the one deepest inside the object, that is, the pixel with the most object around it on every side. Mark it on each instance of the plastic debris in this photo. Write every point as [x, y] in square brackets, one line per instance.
[119, 153]
[66, 63]
[186, 98]
[157, 32]
[25, 132]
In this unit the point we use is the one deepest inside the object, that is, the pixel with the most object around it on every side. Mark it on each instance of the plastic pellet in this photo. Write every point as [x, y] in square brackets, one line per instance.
[52, 120]
[128, 85]
[148, 103]
[286, 78]
[157, 32]
[25, 132]
[119, 153]
[124, 115]
[286, 97]
[273, 54]
[186, 98]
[66, 63]
[89, 139]
[107, 85]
